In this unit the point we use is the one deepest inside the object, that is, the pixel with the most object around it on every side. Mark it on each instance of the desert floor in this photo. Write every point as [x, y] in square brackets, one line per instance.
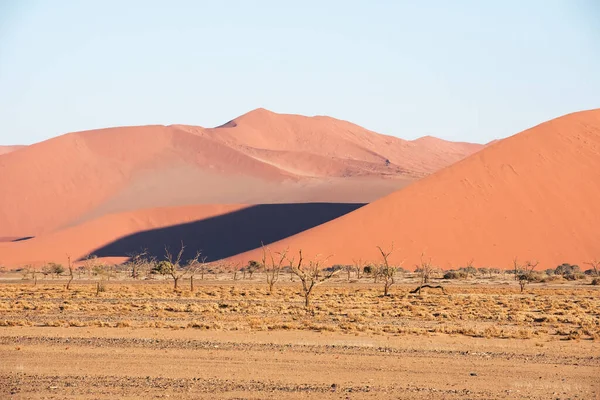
[233, 339]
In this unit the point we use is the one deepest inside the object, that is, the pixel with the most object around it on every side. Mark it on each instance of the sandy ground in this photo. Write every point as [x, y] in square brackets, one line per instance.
[234, 340]
[144, 363]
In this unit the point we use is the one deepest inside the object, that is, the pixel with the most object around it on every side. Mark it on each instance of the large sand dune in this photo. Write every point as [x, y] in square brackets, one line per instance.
[535, 195]
[218, 231]
[80, 240]
[261, 157]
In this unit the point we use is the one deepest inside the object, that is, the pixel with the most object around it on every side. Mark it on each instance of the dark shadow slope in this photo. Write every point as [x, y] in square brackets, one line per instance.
[229, 234]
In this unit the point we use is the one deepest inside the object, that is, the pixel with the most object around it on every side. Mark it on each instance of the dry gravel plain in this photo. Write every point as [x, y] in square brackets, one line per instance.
[235, 340]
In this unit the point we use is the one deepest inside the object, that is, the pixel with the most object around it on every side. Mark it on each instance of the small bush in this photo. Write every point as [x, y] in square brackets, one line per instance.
[536, 276]
[566, 269]
[574, 276]
[553, 278]
[100, 287]
[469, 270]
[455, 274]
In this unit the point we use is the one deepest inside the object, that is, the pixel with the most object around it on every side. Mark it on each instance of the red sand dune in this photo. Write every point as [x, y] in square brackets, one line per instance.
[535, 195]
[286, 141]
[261, 157]
[53, 183]
[80, 240]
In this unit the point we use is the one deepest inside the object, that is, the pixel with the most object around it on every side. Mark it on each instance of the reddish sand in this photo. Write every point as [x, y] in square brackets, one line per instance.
[534, 195]
[261, 157]
[80, 240]
[9, 149]
[324, 146]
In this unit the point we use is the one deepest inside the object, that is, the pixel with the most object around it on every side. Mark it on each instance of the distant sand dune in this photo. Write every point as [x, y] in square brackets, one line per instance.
[260, 157]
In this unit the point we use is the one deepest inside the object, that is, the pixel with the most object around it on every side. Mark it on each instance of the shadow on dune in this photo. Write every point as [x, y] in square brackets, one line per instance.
[14, 239]
[229, 234]
[23, 238]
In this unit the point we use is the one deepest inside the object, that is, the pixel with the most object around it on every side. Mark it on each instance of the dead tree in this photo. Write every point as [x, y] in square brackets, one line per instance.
[311, 275]
[358, 267]
[418, 289]
[173, 265]
[469, 268]
[527, 274]
[272, 265]
[217, 268]
[375, 271]
[516, 268]
[89, 263]
[34, 273]
[349, 269]
[236, 268]
[70, 267]
[386, 271]
[595, 264]
[46, 270]
[26, 272]
[137, 261]
[425, 269]
[192, 266]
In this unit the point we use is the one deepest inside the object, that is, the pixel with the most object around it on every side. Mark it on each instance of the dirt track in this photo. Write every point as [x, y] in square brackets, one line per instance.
[142, 363]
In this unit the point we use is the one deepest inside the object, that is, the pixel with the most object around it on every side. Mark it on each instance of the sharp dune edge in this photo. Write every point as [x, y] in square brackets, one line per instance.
[534, 196]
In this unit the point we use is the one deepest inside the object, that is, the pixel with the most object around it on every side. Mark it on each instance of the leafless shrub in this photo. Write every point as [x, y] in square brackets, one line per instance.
[100, 287]
[517, 268]
[386, 271]
[137, 263]
[425, 269]
[358, 267]
[272, 265]
[526, 276]
[193, 265]
[311, 275]
[172, 265]
[70, 267]
[348, 269]
[595, 264]
[89, 262]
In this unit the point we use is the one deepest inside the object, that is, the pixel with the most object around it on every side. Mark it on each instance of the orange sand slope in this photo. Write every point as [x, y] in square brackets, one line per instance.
[324, 146]
[218, 231]
[261, 157]
[80, 240]
[535, 195]
[9, 149]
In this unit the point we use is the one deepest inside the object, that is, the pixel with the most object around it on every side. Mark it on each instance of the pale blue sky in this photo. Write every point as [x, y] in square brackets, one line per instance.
[460, 70]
